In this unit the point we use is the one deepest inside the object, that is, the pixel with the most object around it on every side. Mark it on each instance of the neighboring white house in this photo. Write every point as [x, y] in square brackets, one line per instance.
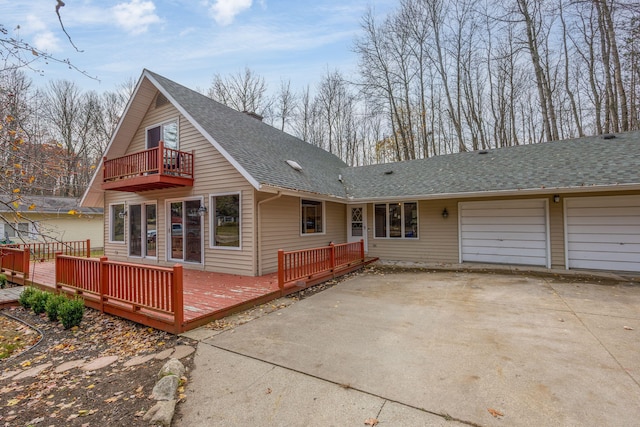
[49, 219]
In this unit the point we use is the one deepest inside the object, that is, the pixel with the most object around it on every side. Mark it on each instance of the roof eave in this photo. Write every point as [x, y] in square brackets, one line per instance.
[502, 193]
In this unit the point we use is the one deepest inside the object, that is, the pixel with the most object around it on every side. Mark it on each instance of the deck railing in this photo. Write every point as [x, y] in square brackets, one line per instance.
[146, 294]
[15, 261]
[162, 160]
[43, 251]
[318, 264]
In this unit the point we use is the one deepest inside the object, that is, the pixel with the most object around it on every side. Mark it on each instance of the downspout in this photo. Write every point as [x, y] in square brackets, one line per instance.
[259, 245]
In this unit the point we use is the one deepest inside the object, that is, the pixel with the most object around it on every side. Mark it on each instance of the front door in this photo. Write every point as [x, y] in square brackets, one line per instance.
[357, 226]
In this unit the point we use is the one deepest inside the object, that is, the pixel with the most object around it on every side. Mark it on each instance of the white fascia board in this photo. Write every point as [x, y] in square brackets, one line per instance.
[502, 193]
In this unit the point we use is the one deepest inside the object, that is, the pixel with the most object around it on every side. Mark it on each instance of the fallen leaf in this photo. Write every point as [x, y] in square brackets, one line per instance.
[13, 402]
[89, 387]
[370, 422]
[628, 328]
[269, 391]
[112, 399]
[495, 413]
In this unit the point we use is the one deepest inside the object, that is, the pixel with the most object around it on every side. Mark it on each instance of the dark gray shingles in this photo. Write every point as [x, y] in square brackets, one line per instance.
[262, 151]
[259, 148]
[584, 162]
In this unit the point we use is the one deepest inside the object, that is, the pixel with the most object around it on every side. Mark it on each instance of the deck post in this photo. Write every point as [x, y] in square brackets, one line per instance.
[25, 263]
[88, 248]
[332, 259]
[178, 298]
[57, 270]
[104, 169]
[362, 250]
[281, 269]
[104, 281]
[161, 157]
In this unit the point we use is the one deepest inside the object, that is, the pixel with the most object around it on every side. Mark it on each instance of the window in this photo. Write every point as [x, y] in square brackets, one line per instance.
[396, 220]
[225, 217]
[21, 230]
[167, 132]
[312, 216]
[116, 222]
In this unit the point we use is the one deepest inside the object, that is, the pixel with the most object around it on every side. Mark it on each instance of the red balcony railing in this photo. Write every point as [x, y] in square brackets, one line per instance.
[158, 167]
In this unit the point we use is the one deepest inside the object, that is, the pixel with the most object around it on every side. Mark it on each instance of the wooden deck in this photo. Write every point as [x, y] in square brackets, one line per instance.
[207, 296]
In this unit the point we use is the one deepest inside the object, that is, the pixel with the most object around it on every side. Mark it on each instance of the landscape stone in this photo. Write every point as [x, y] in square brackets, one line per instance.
[9, 374]
[182, 351]
[164, 354]
[165, 389]
[69, 365]
[99, 363]
[139, 360]
[172, 367]
[161, 413]
[32, 372]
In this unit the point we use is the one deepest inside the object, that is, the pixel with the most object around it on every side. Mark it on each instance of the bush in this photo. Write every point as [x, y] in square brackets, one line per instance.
[70, 312]
[3, 281]
[53, 305]
[26, 295]
[38, 301]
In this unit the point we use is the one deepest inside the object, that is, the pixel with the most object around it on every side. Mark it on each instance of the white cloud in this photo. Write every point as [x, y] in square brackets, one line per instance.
[225, 10]
[135, 16]
[46, 41]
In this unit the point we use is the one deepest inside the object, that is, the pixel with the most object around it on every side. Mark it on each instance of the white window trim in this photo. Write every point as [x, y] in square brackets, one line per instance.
[144, 217]
[167, 230]
[324, 218]
[211, 210]
[124, 239]
[175, 120]
[402, 237]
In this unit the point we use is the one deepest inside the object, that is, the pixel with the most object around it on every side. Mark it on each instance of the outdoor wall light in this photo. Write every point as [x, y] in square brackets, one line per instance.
[556, 198]
[123, 214]
[202, 210]
[445, 213]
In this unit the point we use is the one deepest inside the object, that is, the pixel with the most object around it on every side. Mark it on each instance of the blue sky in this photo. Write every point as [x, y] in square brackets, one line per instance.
[190, 41]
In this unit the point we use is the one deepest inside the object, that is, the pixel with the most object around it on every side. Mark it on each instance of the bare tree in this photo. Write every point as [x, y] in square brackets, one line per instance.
[244, 91]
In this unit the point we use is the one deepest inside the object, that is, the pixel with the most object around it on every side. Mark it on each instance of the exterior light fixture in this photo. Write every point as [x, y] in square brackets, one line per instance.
[445, 213]
[123, 214]
[556, 198]
[202, 210]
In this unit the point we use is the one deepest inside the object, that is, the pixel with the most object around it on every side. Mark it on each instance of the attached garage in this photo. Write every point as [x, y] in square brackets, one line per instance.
[603, 233]
[504, 232]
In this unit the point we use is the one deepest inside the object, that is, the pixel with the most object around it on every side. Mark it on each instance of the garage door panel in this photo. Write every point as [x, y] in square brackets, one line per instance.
[597, 257]
[502, 213]
[611, 229]
[512, 244]
[627, 221]
[603, 238]
[504, 228]
[497, 235]
[607, 211]
[496, 259]
[603, 233]
[505, 232]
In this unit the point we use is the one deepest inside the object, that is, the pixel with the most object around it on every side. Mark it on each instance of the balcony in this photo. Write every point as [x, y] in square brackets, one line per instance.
[151, 169]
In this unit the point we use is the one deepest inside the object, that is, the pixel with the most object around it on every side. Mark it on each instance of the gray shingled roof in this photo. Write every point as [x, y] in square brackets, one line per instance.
[260, 149]
[46, 204]
[570, 164]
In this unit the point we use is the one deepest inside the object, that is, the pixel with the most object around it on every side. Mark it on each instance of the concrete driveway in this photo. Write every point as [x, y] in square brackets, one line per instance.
[423, 349]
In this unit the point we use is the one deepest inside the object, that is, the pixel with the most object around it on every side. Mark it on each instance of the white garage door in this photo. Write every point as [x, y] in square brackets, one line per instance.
[504, 232]
[603, 233]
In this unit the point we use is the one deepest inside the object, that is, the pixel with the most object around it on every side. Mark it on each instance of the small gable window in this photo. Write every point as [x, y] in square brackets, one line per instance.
[167, 132]
[396, 220]
[312, 216]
